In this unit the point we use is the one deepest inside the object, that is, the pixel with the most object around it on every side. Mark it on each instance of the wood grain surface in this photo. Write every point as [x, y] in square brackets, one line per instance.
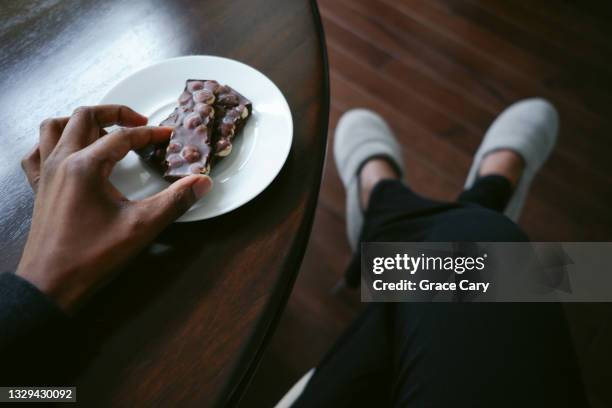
[185, 323]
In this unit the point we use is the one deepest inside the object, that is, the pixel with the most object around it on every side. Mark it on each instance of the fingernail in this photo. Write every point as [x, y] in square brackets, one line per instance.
[201, 186]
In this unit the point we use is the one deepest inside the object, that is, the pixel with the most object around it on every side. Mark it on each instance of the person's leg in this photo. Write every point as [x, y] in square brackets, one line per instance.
[498, 175]
[452, 354]
[492, 192]
[384, 358]
[395, 213]
[358, 370]
[464, 355]
[390, 203]
[386, 198]
[483, 355]
[361, 369]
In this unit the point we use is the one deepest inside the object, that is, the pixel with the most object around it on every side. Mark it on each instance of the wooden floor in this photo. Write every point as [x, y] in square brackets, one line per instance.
[440, 71]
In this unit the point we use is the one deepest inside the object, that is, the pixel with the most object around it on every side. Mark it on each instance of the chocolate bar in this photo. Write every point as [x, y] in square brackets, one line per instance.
[207, 119]
[189, 149]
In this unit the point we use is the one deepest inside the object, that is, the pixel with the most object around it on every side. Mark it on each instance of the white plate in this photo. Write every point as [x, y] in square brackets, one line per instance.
[258, 153]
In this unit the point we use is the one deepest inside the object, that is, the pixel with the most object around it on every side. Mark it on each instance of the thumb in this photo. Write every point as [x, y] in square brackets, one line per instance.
[167, 205]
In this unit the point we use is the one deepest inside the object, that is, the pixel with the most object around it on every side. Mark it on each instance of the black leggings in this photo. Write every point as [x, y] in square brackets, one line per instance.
[448, 354]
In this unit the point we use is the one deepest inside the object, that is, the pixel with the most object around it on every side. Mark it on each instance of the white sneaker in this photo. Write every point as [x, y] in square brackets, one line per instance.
[361, 135]
[529, 128]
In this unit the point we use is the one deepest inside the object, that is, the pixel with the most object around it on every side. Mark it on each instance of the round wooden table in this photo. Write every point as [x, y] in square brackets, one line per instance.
[186, 323]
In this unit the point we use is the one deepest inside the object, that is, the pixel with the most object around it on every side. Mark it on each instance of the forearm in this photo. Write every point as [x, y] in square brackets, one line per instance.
[34, 335]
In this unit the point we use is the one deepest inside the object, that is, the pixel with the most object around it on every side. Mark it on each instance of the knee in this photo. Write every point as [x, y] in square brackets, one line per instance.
[476, 224]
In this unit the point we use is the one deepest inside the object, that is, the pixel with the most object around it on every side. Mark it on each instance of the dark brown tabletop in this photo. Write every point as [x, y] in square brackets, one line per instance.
[186, 322]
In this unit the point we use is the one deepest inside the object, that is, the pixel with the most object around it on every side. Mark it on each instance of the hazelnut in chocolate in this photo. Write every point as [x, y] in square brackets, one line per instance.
[232, 111]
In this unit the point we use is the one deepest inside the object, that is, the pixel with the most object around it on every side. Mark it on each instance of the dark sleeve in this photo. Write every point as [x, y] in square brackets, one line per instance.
[35, 335]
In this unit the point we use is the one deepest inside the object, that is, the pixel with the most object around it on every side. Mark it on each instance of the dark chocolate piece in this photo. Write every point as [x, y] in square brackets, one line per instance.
[189, 150]
[155, 156]
[232, 110]
[207, 119]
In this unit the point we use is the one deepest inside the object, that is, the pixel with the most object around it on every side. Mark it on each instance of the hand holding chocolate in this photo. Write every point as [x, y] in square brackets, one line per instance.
[205, 123]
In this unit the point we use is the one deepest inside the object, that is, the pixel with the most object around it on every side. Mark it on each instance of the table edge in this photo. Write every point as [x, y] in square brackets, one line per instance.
[240, 379]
